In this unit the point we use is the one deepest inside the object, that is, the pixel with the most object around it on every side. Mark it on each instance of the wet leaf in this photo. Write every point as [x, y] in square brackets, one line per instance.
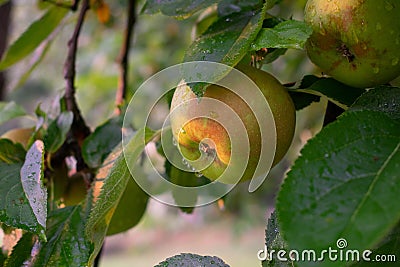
[287, 34]
[343, 186]
[192, 260]
[15, 208]
[32, 181]
[66, 245]
[180, 9]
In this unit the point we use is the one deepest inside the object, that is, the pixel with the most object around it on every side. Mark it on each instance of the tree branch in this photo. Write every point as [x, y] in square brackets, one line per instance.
[79, 130]
[5, 21]
[123, 57]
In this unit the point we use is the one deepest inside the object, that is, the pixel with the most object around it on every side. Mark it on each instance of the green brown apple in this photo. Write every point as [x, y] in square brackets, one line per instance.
[197, 129]
[357, 42]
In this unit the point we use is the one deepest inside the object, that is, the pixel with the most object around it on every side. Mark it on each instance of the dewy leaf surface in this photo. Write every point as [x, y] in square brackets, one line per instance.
[287, 34]
[32, 181]
[15, 208]
[226, 41]
[345, 185]
[188, 259]
[177, 8]
[66, 245]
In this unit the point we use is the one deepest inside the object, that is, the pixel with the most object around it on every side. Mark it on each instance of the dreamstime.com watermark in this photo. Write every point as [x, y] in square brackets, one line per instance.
[339, 253]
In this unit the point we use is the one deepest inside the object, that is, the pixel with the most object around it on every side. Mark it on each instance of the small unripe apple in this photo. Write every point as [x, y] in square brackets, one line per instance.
[197, 129]
[357, 42]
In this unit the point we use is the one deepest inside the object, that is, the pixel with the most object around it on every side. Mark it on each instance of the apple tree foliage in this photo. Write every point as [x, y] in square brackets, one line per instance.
[345, 184]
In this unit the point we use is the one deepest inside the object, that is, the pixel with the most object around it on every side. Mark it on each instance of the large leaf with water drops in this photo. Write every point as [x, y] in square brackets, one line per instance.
[66, 245]
[32, 181]
[344, 186]
[15, 208]
[177, 8]
[383, 98]
[227, 40]
[188, 259]
[287, 34]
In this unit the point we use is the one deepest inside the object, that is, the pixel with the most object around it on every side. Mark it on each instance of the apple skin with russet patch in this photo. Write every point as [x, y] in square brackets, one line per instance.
[193, 131]
[357, 42]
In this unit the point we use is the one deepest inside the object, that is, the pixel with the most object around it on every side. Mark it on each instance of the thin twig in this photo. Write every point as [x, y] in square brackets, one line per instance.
[5, 21]
[79, 130]
[69, 75]
[123, 57]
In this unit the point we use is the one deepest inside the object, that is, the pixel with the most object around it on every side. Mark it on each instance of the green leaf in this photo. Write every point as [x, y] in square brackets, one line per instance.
[272, 55]
[114, 186]
[2, 258]
[192, 260]
[336, 92]
[66, 245]
[274, 241]
[389, 247]
[101, 142]
[3, 2]
[21, 251]
[287, 34]
[271, 3]
[227, 7]
[383, 98]
[343, 186]
[182, 178]
[302, 100]
[10, 110]
[32, 181]
[38, 58]
[226, 41]
[57, 131]
[37, 32]
[15, 209]
[180, 9]
[129, 210]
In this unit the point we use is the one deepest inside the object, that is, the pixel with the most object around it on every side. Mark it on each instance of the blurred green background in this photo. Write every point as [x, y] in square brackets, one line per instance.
[233, 231]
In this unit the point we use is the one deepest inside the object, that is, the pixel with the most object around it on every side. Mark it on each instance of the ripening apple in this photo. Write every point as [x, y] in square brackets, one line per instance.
[198, 129]
[357, 42]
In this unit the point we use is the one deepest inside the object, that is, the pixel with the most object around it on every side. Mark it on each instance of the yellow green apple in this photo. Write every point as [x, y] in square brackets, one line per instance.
[195, 130]
[357, 42]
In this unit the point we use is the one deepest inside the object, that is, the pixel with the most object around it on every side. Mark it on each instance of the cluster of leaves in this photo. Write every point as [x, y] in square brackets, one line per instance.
[61, 228]
[344, 184]
[58, 193]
